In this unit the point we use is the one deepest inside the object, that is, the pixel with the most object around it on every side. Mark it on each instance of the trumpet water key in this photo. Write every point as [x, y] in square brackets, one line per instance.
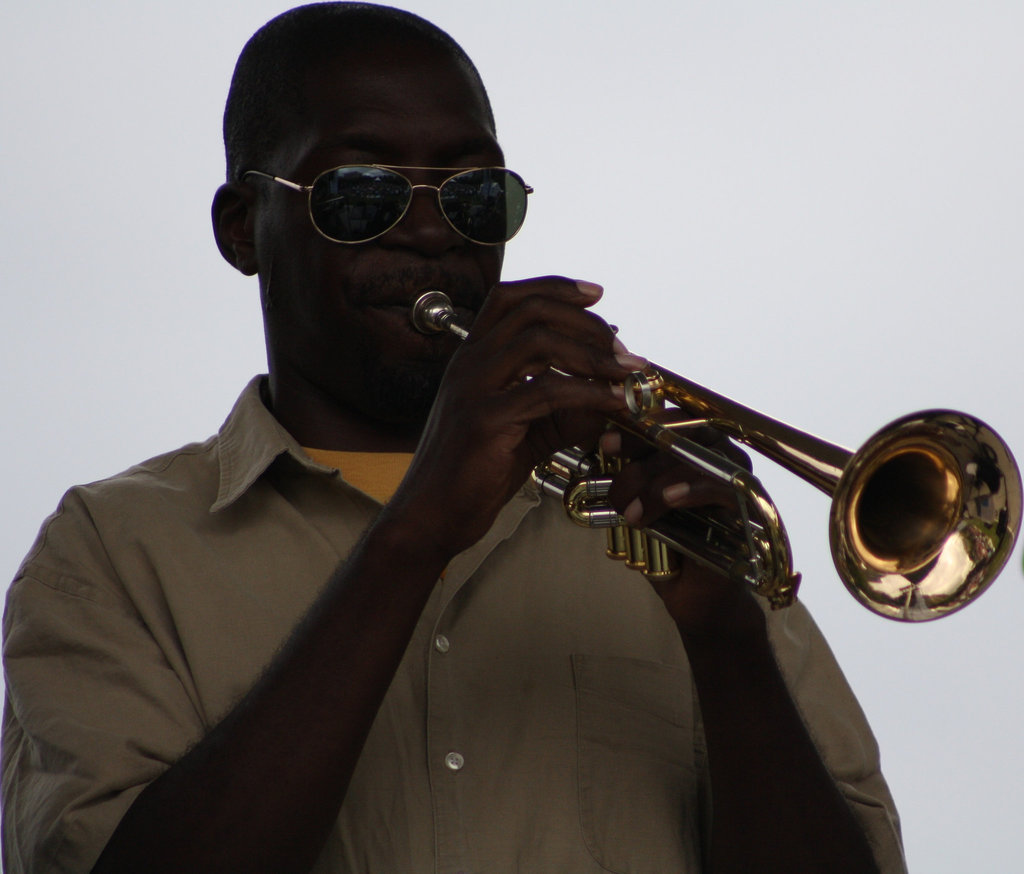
[923, 515]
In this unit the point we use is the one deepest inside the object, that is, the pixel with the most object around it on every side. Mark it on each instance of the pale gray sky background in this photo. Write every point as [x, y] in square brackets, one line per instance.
[813, 207]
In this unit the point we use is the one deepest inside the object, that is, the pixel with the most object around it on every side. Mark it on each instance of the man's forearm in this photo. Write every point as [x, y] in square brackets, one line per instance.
[262, 790]
[775, 806]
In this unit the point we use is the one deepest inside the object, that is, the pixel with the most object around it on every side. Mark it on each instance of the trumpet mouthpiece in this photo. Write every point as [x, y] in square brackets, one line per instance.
[432, 313]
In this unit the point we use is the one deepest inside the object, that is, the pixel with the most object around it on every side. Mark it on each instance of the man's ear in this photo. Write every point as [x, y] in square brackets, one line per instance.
[233, 220]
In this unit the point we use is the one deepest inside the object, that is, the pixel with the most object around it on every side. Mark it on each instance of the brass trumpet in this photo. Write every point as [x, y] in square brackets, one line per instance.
[923, 515]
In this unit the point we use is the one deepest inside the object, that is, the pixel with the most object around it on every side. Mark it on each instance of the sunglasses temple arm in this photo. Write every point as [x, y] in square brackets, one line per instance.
[286, 182]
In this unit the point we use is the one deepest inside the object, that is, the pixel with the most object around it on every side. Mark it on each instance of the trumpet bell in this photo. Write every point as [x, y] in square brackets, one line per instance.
[924, 515]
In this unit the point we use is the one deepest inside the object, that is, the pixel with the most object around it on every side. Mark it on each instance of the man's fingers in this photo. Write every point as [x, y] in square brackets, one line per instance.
[526, 329]
[658, 482]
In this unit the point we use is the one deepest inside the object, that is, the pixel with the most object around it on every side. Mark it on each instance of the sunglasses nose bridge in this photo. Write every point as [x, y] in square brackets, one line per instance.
[427, 222]
[416, 187]
[426, 188]
[422, 186]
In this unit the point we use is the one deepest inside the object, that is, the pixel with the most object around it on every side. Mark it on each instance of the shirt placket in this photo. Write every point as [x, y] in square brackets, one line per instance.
[451, 771]
[447, 766]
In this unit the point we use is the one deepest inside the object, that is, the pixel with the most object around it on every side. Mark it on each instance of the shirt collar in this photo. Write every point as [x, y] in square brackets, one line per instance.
[250, 440]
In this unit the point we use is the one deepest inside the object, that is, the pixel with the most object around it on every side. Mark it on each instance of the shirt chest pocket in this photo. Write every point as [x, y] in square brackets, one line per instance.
[638, 774]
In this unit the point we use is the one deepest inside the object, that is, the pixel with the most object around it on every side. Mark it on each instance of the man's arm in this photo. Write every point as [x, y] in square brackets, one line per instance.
[774, 804]
[262, 790]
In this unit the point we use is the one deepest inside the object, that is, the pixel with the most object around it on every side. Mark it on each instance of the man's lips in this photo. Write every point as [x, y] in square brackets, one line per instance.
[398, 317]
[392, 293]
[464, 315]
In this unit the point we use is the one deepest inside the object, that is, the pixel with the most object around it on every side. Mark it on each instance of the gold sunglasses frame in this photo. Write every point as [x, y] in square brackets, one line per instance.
[413, 187]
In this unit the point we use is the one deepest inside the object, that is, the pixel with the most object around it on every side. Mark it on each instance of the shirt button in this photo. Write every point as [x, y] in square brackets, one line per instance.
[454, 761]
[442, 644]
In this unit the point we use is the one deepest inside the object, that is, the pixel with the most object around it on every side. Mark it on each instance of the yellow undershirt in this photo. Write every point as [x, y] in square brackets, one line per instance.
[375, 473]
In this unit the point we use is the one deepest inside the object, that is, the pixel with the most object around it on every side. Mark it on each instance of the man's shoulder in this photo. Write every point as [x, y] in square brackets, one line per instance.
[195, 474]
[158, 497]
[173, 484]
[189, 467]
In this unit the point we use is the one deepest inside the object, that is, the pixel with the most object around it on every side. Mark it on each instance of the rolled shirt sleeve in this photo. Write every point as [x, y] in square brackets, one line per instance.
[94, 710]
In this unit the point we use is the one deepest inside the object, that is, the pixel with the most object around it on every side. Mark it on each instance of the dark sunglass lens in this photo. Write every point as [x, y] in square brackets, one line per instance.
[488, 206]
[353, 204]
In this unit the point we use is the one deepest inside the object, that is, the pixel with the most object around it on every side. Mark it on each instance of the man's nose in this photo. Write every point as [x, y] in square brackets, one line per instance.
[424, 226]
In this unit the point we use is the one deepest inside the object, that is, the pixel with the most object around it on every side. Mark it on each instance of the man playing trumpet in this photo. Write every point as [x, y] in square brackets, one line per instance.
[237, 658]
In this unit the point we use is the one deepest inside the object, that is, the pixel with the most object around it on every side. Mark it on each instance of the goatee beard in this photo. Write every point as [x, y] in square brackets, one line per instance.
[404, 395]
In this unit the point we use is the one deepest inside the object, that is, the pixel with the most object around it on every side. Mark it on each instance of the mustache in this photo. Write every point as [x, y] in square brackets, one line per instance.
[402, 285]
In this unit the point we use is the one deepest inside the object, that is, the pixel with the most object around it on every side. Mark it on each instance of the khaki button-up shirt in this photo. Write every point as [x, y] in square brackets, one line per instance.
[543, 720]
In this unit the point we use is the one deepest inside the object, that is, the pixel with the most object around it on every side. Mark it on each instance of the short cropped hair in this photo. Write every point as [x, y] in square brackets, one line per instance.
[266, 93]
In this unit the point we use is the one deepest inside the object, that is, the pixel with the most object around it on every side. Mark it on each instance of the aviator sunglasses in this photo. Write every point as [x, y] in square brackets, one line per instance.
[360, 202]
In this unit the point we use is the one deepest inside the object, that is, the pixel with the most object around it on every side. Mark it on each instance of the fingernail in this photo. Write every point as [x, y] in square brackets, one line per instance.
[589, 289]
[675, 493]
[634, 512]
[611, 442]
[631, 362]
[618, 392]
[618, 347]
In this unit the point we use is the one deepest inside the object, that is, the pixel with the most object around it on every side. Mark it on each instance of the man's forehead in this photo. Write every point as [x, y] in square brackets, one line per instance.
[385, 105]
[390, 73]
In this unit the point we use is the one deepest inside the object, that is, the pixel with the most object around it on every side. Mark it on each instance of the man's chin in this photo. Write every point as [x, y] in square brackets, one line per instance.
[402, 397]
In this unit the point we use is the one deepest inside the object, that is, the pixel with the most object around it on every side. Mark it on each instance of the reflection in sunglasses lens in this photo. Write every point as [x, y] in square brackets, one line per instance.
[355, 204]
[351, 204]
